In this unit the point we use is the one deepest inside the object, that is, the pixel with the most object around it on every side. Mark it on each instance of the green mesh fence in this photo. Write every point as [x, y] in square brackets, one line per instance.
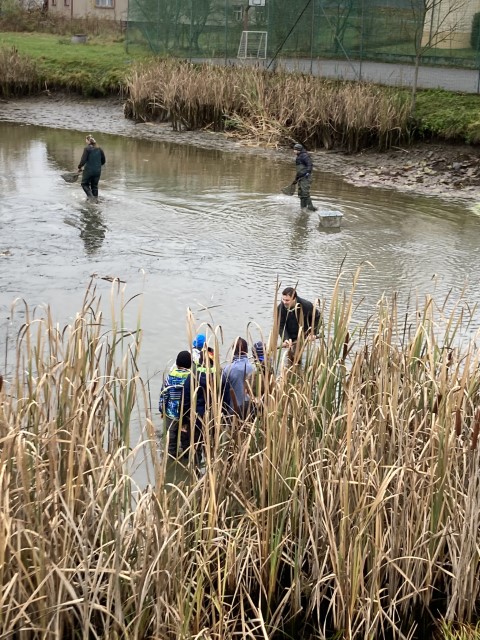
[378, 30]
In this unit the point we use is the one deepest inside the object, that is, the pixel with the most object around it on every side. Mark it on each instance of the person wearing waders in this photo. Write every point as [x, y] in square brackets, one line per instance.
[92, 162]
[304, 166]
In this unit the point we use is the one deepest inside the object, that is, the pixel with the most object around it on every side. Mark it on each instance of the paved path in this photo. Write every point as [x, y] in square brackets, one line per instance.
[393, 74]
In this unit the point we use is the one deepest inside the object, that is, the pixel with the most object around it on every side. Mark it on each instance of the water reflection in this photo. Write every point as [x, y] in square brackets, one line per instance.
[329, 230]
[299, 235]
[93, 228]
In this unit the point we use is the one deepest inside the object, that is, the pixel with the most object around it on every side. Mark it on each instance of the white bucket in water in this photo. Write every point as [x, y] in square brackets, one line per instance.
[330, 218]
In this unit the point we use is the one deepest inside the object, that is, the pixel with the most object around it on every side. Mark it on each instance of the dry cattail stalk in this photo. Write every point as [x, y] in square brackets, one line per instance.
[458, 422]
[476, 427]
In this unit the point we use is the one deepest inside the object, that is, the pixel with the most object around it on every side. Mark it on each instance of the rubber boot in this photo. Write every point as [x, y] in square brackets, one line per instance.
[310, 206]
[173, 439]
[88, 191]
[303, 203]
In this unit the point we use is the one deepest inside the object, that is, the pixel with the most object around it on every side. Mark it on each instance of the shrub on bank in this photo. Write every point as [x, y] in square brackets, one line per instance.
[19, 74]
[347, 507]
[449, 116]
[37, 20]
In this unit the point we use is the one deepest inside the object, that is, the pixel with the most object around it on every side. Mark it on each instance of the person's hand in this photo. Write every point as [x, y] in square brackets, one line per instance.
[287, 344]
[79, 170]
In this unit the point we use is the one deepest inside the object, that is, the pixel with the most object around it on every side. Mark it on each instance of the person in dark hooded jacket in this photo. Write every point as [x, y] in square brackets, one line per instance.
[91, 162]
[303, 178]
[296, 315]
[298, 321]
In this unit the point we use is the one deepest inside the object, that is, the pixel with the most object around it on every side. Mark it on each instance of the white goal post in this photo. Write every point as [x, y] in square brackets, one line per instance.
[253, 44]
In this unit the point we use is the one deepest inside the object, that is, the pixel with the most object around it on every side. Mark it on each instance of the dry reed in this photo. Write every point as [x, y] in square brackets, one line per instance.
[348, 506]
[18, 74]
[268, 108]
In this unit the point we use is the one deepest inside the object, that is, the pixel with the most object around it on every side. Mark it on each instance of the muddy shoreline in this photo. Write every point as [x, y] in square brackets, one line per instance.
[450, 172]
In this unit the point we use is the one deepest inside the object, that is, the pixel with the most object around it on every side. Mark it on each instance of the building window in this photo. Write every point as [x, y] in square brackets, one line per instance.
[66, 3]
[237, 12]
[105, 4]
[54, 3]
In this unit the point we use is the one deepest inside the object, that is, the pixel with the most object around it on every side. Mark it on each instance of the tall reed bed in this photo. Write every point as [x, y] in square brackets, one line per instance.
[347, 507]
[270, 108]
[65, 490]
[19, 74]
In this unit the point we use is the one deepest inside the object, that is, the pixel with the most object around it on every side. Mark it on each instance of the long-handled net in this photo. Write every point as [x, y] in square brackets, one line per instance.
[290, 189]
[70, 176]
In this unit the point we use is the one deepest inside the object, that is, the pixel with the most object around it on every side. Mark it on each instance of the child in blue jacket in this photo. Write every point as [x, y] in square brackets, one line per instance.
[170, 403]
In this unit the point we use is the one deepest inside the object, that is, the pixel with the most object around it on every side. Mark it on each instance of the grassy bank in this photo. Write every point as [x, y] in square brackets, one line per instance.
[97, 68]
[348, 507]
[270, 109]
[448, 116]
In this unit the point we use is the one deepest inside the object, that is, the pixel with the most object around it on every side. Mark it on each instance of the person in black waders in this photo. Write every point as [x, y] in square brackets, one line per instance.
[92, 161]
[304, 166]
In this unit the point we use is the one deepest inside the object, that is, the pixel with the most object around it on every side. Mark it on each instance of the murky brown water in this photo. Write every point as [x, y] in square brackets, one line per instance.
[190, 227]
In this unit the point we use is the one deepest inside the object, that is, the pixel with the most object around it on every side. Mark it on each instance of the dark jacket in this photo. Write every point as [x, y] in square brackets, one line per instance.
[303, 164]
[302, 315]
[92, 160]
[198, 378]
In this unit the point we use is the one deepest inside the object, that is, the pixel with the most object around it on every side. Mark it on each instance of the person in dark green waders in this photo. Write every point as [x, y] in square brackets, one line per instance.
[304, 166]
[92, 161]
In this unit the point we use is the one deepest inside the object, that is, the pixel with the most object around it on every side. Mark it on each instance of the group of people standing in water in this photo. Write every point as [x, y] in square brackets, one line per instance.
[186, 393]
[190, 386]
[93, 159]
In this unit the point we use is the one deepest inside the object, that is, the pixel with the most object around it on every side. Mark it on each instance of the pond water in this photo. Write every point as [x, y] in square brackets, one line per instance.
[190, 227]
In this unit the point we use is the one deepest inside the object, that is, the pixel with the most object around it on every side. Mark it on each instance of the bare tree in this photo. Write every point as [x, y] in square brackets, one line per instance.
[341, 13]
[159, 21]
[200, 11]
[436, 21]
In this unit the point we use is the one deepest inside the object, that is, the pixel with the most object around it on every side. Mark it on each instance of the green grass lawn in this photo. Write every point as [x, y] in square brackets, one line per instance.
[96, 68]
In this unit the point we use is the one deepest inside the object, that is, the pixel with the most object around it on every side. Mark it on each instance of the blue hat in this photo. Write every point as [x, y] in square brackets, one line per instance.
[258, 351]
[298, 146]
[199, 341]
